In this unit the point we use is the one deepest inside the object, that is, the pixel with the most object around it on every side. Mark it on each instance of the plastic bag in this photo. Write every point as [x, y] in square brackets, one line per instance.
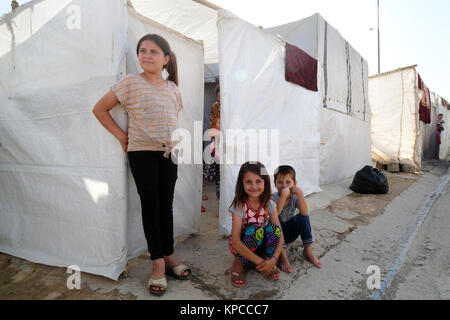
[370, 180]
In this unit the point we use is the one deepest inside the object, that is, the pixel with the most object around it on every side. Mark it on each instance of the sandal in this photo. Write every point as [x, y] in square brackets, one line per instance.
[274, 275]
[178, 272]
[157, 282]
[236, 277]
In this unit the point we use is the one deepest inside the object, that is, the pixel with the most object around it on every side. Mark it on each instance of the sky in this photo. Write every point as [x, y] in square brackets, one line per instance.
[413, 32]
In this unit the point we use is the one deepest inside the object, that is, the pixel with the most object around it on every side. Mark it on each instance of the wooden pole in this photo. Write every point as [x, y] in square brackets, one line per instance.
[208, 4]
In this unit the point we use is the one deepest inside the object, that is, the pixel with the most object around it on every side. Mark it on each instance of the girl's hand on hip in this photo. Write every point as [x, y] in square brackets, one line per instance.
[123, 139]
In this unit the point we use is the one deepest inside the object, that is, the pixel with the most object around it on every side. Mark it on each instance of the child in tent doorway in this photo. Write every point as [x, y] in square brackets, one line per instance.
[256, 237]
[152, 104]
[214, 123]
[289, 198]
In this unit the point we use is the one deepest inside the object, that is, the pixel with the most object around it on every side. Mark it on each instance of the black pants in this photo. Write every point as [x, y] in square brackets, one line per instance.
[155, 178]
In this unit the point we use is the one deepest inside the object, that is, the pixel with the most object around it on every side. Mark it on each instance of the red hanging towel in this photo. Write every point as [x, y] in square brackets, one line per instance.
[300, 68]
[425, 103]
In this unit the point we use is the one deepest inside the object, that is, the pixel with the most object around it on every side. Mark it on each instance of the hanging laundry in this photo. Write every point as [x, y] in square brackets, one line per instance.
[300, 68]
[425, 103]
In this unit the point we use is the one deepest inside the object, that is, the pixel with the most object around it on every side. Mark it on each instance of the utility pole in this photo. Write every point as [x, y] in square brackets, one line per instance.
[378, 15]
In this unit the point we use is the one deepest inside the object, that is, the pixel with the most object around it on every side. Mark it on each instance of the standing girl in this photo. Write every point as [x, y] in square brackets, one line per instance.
[152, 104]
[256, 235]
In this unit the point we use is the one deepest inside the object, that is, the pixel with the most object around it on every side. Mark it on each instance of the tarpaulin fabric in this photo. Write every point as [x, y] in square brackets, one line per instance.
[344, 116]
[437, 107]
[256, 99]
[188, 17]
[444, 148]
[300, 68]
[67, 196]
[395, 124]
[62, 178]
[398, 133]
[322, 144]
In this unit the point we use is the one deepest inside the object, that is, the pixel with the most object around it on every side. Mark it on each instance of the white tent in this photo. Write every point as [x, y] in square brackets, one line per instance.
[324, 135]
[442, 106]
[66, 194]
[398, 135]
[344, 116]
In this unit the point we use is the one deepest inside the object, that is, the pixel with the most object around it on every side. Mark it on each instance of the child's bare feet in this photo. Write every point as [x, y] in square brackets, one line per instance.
[308, 253]
[284, 263]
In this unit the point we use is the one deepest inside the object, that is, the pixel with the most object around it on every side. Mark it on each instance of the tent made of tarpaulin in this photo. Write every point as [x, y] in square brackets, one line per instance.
[324, 134]
[66, 194]
[441, 106]
[398, 134]
[344, 113]
[444, 108]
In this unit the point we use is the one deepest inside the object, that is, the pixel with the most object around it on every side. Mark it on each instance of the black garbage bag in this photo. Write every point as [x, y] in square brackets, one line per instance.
[370, 180]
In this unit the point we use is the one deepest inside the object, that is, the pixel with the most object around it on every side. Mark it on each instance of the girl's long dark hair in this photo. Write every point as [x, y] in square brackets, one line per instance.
[171, 67]
[240, 196]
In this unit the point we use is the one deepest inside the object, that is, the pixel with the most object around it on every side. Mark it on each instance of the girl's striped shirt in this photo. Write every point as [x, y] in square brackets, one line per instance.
[152, 112]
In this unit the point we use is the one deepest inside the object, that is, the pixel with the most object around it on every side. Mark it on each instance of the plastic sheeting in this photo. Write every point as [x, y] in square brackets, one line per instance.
[444, 150]
[188, 17]
[345, 146]
[56, 192]
[256, 97]
[66, 194]
[436, 102]
[397, 134]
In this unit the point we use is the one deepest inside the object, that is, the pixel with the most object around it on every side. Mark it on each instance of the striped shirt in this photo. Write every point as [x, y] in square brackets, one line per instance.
[152, 112]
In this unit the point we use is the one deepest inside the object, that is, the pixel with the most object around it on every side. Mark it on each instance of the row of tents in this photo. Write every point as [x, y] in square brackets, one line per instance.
[67, 196]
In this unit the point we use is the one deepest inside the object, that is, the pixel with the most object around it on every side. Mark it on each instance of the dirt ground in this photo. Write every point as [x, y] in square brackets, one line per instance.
[369, 206]
[203, 251]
